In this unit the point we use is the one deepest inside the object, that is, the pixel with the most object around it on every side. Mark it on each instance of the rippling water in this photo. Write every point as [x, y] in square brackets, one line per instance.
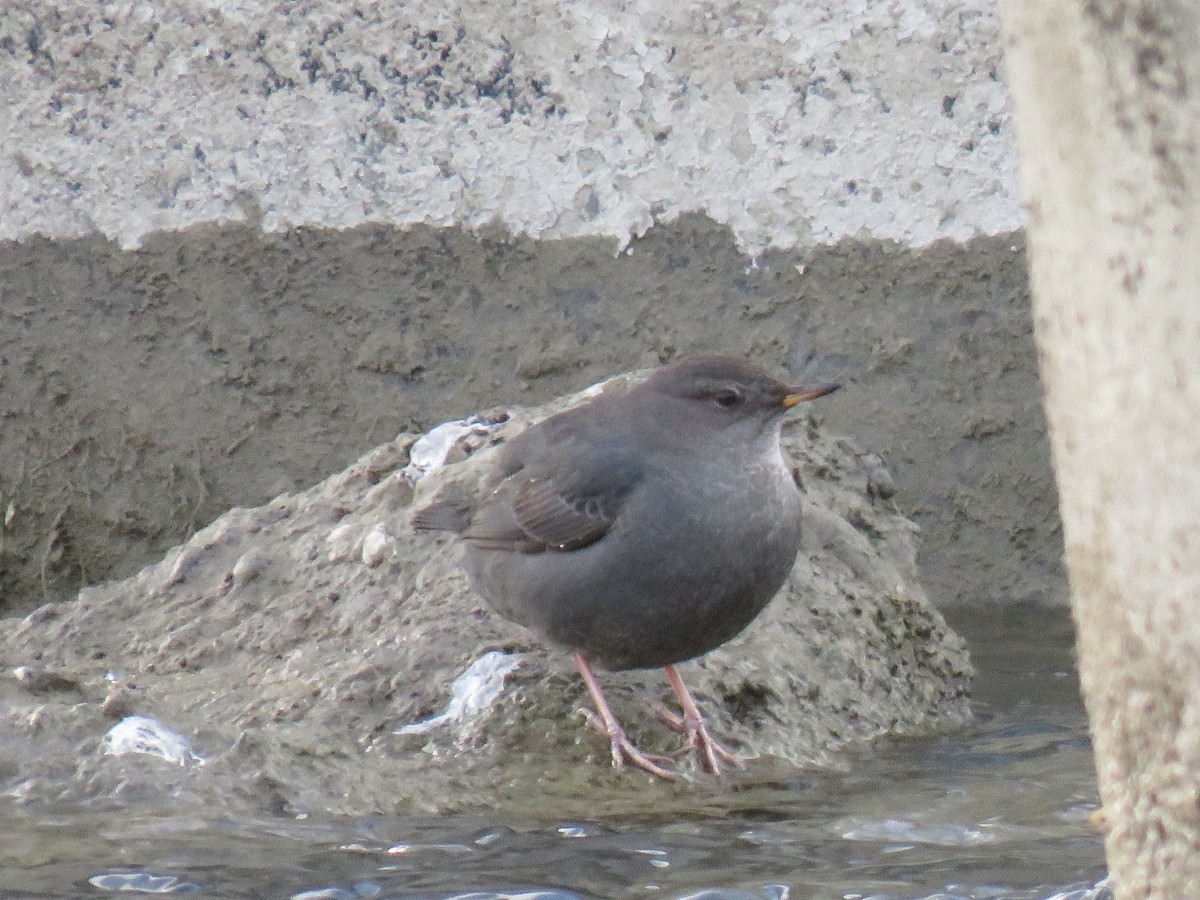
[998, 810]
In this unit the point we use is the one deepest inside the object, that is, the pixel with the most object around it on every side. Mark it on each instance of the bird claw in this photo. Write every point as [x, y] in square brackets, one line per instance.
[695, 730]
[624, 750]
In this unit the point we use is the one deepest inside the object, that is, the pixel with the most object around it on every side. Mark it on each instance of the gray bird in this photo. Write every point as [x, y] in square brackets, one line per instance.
[641, 529]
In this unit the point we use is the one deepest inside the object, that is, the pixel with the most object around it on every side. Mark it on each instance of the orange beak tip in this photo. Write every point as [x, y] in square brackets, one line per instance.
[798, 395]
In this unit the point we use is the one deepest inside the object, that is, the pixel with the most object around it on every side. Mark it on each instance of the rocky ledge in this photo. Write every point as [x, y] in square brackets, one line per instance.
[316, 655]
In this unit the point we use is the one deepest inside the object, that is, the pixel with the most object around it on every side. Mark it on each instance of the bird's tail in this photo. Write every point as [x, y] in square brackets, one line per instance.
[447, 512]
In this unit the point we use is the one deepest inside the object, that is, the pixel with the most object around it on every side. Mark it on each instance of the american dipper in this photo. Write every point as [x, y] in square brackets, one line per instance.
[641, 529]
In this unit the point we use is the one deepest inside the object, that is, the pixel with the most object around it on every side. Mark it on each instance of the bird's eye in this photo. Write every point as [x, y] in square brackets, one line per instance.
[728, 398]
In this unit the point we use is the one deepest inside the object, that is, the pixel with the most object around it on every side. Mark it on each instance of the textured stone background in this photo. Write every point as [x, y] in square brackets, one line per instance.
[793, 123]
[852, 170]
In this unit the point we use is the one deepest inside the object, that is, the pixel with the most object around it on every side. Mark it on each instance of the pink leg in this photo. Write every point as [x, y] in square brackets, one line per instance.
[712, 754]
[623, 749]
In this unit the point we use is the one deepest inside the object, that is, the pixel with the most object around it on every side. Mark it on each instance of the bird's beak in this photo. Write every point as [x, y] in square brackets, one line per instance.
[797, 395]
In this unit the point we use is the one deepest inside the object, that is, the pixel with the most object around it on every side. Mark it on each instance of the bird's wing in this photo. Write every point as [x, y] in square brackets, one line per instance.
[566, 495]
[529, 515]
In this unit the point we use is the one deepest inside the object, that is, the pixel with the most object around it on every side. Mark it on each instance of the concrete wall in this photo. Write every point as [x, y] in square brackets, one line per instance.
[793, 123]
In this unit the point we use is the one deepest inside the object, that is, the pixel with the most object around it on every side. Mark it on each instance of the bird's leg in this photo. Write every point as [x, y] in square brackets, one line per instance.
[603, 720]
[692, 725]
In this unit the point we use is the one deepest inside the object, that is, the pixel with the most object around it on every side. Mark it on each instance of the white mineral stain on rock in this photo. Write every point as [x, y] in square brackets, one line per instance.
[143, 734]
[477, 688]
[432, 449]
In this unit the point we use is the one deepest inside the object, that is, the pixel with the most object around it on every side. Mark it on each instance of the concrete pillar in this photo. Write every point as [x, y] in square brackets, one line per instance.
[1107, 104]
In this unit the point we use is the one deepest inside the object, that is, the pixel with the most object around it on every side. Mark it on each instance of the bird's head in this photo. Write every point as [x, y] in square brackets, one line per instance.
[721, 398]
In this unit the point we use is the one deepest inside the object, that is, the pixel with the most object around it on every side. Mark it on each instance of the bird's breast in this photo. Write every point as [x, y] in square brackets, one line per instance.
[695, 553]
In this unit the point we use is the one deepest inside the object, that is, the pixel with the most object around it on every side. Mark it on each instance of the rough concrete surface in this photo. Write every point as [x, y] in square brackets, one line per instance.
[287, 643]
[1111, 162]
[794, 123]
[146, 392]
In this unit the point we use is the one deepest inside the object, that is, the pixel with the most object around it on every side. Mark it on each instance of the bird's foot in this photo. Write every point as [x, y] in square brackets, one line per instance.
[626, 751]
[714, 758]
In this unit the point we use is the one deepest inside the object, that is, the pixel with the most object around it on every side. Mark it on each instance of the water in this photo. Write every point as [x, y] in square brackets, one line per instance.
[999, 810]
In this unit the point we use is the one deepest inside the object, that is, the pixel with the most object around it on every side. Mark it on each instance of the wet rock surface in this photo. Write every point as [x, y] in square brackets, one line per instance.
[289, 642]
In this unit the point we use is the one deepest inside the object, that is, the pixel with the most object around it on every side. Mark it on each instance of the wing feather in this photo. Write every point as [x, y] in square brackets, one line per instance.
[558, 486]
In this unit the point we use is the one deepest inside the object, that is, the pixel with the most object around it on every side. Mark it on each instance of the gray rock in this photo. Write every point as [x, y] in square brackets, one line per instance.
[290, 642]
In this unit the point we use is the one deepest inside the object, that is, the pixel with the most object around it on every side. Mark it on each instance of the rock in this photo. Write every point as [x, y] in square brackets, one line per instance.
[289, 643]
